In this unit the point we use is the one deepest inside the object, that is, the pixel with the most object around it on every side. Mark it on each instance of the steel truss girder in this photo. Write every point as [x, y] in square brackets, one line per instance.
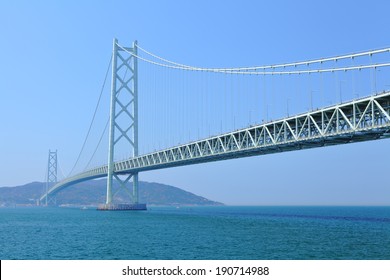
[359, 120]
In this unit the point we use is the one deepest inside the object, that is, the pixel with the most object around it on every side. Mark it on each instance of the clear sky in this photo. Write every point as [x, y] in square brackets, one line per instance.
[54, 55]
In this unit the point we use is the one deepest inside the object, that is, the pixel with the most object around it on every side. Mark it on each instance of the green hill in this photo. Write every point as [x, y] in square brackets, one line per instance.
[94, 192]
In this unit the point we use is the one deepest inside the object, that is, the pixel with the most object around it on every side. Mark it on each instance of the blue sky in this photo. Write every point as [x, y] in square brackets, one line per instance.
[54, 55]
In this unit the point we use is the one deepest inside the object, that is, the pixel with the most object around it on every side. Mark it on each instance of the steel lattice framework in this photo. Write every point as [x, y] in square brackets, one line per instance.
[51, 178]
[123, 116]
[359, 120]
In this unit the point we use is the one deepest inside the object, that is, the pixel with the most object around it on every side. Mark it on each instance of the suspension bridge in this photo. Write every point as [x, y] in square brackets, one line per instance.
[363, 116]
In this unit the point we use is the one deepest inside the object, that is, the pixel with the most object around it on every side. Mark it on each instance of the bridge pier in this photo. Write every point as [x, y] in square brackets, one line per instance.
[121, 207]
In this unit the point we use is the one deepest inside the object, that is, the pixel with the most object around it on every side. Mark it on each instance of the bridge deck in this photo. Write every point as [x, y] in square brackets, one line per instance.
[359, 120]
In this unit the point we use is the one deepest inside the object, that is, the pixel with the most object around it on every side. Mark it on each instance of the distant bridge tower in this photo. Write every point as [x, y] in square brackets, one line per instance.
[51, 172]
[123, 130]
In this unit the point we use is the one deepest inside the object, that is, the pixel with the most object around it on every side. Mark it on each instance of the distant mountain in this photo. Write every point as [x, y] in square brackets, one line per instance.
[94, 192]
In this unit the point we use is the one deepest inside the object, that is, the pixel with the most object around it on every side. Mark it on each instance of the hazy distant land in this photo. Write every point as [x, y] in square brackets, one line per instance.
[93, 193]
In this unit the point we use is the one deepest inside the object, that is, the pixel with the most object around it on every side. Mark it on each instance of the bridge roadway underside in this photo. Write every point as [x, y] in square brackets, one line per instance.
[364, 119]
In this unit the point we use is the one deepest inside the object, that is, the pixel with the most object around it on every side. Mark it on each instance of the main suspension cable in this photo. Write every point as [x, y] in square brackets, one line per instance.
[93, 118]
[98, 144]
[253, 69]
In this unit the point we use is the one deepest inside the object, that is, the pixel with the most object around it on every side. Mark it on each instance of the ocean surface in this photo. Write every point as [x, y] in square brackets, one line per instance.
[226, 232]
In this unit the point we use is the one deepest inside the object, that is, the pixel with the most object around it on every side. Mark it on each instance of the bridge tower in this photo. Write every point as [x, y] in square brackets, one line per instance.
[51, 178]
[123, 129]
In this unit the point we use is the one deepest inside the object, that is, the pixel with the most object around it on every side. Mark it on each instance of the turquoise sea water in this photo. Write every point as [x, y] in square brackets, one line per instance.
[196, 233]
